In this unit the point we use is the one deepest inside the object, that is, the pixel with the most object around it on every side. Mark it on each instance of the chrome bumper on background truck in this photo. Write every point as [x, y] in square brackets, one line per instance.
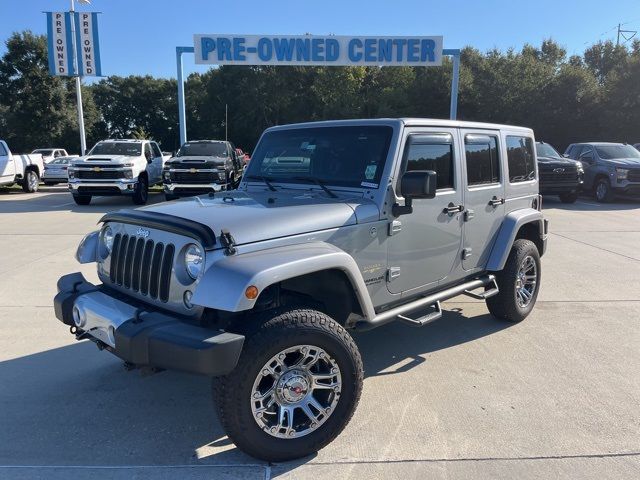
[110, 187]
[141, 335]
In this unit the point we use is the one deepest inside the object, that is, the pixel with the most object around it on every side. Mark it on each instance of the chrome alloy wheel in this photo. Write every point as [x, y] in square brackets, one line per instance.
[296, 391]
[33, 181]
[526, 281]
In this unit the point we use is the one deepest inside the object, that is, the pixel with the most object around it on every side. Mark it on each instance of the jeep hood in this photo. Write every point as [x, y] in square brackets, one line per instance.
[255, 216]
[198, 160]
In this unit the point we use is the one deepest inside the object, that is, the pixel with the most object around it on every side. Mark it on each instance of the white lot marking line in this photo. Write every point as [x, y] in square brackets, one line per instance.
[582, 202]
[267, 472]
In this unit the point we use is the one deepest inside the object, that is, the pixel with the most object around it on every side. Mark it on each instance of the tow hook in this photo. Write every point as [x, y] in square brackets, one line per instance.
[228, 242]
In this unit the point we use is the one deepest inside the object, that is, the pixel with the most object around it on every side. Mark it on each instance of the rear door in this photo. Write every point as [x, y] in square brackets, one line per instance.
[425, 245]
[484, 195]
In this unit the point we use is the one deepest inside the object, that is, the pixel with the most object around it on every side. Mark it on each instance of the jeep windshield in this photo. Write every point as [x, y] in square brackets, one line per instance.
[612, 152]
[117, 148]
[203, 149]
[349, 156]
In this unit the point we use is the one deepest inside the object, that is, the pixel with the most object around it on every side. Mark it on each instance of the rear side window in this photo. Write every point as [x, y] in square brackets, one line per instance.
[522, 165]
[3, 150]
[483, 166]
[432, 152]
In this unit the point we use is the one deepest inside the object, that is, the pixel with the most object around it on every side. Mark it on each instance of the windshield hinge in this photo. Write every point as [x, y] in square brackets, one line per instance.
[228, 242]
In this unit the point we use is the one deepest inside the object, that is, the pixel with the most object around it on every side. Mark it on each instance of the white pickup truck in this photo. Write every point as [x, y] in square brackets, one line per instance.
[116, 167]
[25, 170]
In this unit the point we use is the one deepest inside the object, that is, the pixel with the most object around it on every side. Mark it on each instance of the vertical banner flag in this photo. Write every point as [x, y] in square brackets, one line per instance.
[87, 45]
[60, 43]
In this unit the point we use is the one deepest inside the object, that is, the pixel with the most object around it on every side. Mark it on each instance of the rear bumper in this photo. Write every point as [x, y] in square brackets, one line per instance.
[141, 335]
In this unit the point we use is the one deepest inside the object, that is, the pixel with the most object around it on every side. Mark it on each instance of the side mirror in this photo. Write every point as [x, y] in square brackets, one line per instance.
[566, 155]
[415, 184]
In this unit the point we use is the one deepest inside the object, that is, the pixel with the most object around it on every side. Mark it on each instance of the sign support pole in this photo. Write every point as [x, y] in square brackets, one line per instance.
[83, 140]
[182, 115]
[455, 78]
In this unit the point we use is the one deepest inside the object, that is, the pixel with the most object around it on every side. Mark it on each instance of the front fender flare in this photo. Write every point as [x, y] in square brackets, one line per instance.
[507, 235]
[224, 283]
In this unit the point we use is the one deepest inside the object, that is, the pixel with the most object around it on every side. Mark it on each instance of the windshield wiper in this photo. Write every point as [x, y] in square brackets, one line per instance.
[266, 180]
[318, 182]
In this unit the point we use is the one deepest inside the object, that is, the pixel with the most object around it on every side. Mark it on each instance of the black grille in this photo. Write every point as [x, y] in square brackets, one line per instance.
[195, 177]
[567, 173]
[634, 175]
[100, 175]
[142, 266]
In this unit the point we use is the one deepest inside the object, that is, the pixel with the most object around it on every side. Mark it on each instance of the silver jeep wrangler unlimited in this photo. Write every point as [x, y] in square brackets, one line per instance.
[336, 226]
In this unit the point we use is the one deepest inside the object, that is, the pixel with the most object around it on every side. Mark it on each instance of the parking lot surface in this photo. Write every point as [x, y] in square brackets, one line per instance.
[556, 396]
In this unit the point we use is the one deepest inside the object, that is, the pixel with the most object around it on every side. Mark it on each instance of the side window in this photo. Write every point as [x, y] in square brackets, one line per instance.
[147, 151]
[522, 165]
[586, 154]
[432, 152]
[3, 151]
[483, 166]
[156, 150]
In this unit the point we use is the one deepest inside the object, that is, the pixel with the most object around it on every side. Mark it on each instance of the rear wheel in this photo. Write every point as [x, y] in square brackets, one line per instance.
[296, 386]
[82, 199]
[141, 191]
[518, 282]
[30, 181]
[569, 197]
[603, 191]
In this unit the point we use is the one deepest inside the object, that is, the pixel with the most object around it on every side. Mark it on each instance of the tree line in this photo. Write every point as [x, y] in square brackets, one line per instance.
[565, 99]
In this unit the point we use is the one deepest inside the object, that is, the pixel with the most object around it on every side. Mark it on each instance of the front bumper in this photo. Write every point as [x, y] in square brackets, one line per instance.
[628, 189]
[109, 187]
[191, 188]
[140, 335]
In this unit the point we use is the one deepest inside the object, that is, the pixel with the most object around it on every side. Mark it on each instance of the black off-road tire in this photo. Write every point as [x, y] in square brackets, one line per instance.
[141, 191]
[30, 181]
[281, 329]
[602, 191]
[82, 199]
[569, 197]
[504, 305]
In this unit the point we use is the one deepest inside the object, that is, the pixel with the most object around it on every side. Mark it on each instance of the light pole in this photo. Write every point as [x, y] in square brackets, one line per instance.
[74, 52]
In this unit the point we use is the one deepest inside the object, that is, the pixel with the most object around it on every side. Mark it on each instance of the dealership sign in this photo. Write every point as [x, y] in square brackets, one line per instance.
[61, 41]
[317, 50]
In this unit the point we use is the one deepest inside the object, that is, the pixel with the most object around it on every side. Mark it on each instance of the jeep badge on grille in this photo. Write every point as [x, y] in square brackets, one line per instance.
[141, 232]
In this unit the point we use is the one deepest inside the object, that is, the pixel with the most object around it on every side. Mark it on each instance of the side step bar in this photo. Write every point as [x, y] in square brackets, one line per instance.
[491, 289]
[401, 312]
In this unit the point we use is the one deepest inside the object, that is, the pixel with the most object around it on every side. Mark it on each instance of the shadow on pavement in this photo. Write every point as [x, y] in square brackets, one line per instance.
[74, 405]
[52, 199]
[586, 203]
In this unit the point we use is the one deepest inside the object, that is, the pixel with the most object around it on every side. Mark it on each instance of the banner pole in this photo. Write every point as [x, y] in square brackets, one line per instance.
[83, 141]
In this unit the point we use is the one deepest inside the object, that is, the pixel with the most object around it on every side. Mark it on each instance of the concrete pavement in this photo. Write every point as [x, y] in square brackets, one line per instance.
[557, 396]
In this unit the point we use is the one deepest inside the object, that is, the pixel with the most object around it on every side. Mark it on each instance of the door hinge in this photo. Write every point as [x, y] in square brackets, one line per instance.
[466, 253]
[395, 227]
[393, 273]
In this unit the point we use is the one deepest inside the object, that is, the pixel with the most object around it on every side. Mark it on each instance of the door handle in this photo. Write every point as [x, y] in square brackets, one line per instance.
[495, 201]
[452, 208]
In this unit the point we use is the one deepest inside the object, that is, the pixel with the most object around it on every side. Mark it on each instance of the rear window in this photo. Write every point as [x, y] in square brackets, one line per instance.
[611, 152]
[521, 160]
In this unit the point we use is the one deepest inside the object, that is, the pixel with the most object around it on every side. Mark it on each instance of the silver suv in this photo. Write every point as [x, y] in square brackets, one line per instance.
[336, 226]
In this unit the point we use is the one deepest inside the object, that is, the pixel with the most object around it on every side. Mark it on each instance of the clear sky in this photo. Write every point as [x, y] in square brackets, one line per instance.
[140, 36]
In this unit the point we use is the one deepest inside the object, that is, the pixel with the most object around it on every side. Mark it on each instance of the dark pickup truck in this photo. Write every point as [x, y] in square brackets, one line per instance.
[558, 175]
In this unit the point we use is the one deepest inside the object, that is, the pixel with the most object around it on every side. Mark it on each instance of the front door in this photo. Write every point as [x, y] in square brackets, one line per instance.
[484, 195]
[425, 245]
[7, 170]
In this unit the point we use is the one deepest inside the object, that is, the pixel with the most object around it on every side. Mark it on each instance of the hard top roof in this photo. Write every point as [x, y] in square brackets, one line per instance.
[407, 122]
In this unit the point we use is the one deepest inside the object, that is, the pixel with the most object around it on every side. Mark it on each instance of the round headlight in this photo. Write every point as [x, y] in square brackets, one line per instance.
[193, 260]
[107, 239]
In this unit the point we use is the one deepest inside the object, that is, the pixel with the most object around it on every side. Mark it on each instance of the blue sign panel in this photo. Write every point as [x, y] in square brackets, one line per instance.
[60, 43]
[87, 44]
[216, 49]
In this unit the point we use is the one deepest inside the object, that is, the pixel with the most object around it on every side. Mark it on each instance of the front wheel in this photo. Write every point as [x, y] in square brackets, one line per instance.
[82, 199]
[518, 282]
[569, 197]
[603, 191]
[30, 182]
[141, 191]
[296, 386]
